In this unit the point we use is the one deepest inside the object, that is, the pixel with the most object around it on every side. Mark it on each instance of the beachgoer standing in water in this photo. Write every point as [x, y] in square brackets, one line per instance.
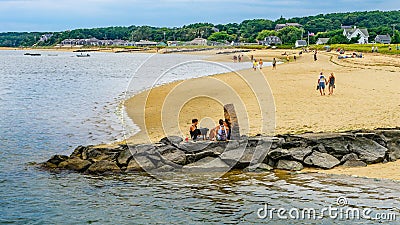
[321, 83]
[331, 82]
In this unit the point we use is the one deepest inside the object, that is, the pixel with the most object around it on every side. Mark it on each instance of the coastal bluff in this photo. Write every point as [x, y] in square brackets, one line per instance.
[286, 152]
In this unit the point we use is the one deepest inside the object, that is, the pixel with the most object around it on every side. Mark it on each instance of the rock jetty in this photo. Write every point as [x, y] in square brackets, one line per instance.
[285, 152]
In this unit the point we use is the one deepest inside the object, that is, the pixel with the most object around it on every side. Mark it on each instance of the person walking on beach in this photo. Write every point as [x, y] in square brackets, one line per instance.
[194, 132]
[315, 56]
[331, 82]
[255, 64]
[260, 63]
[288, 58]
[274, 64]
[321, 83]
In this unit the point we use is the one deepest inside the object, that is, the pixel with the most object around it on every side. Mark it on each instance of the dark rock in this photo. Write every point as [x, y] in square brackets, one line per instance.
[133, 166]
[278, 153]
[193, 147]
[103, 166]
[124, 157]
[292, 144]
[299, 154]
[171, 140]
[322, 160]
[57, 159]
[75, 164]
[240, 158]
[367, 150]
[98, 154]
[354, 163]
[349, 157]
[143, 149]
[289, 165]
[207, 164]
[380, 139]
[78, 151]
[259, 167]
[144, 162]
[230, 114]
[175, 156]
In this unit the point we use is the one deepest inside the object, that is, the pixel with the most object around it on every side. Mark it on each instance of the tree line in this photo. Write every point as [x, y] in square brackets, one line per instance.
[323, 25]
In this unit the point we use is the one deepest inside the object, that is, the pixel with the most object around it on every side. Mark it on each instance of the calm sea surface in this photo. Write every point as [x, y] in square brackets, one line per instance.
[52, 103]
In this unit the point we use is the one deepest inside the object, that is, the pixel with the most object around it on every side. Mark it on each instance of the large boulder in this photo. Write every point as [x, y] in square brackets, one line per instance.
[98, 154]
[55, 160]
[335, 144]
[124, 157]
[208, 164]
[103, 166]
[171, 140]
[322, 160]
[300, 153]
[349, 157]
[75, 164]
[278, 153]
[133, 166]
[354, 163]
[173, 155]
[241, 157]
[289, 165]
[259, 167]
[368, 150]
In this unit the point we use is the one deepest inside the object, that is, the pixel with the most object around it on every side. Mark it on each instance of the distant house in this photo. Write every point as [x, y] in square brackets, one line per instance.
[322, 41]
[280, 26]
[215, 29]
[145, 43]
[350, 33]
[198, 41]
[345, 27]
[300, 43]
[272, 40]
[45, 37]
[383, 39]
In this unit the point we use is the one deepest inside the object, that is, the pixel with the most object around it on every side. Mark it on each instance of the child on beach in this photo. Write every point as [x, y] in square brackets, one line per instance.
[287, 58]
[255, 64]
[321, 83]
[331, 82]
[260, 63]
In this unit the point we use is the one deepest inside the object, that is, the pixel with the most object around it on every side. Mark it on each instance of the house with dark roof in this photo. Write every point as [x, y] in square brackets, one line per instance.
[350, 33]
[280, 26]
[300, 43]
[271, 40]
[383, 39]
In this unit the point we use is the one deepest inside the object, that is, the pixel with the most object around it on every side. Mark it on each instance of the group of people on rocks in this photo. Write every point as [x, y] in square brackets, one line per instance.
[222, 132]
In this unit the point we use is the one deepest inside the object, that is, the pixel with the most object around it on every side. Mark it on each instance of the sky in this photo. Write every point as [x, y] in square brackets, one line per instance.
[60, 15]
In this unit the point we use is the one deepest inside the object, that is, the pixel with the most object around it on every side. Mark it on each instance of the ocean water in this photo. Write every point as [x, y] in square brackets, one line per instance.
[53, 103]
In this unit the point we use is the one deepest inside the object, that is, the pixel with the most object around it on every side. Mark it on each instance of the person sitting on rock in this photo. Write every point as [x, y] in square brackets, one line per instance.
[221, 131]
[194, 132]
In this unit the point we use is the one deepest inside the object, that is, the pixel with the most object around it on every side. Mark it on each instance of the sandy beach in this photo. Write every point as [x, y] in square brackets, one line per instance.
[366, 97]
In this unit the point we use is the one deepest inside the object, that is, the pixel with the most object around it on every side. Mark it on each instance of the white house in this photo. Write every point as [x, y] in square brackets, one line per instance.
[383, 39]
[300, 43]
[354, 32]
[322, 41]
[198, 41]
[272, 40]
[145, 43]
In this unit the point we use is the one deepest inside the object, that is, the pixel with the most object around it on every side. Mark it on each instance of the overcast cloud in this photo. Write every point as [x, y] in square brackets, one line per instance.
[58, 15]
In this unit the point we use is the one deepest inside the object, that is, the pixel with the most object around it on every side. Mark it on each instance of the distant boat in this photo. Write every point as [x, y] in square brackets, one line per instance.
[83, 55]
[33, 54]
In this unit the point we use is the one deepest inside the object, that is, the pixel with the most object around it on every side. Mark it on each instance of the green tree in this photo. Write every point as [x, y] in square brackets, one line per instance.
[396, 37]
[289, 35]
[221, 37]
